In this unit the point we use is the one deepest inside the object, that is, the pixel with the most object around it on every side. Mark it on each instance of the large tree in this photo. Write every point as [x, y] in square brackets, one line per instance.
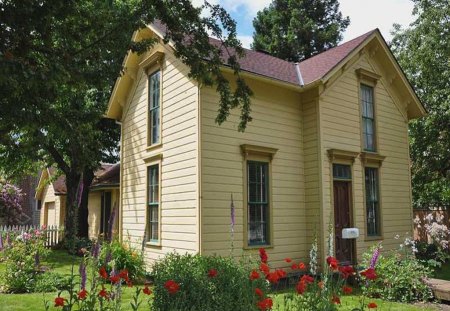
[58, 63]
[298, 29]
[423, 50]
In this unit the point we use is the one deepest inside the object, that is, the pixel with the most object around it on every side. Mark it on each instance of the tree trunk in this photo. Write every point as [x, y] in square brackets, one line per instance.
[71, 221]
[83, 212]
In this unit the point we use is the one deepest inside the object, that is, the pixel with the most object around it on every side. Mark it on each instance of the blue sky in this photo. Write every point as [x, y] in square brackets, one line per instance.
[364, 15]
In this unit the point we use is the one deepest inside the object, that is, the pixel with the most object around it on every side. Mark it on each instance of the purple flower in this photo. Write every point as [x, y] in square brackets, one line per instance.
[232, 212]
[1, 241]
[108, 257]
[376, 254]
[8, 239]
[112, 218]
[37, 259]
[95, 249]
[82, 271]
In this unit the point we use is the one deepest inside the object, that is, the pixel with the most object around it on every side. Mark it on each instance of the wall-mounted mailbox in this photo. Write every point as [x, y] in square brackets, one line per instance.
[350, 233]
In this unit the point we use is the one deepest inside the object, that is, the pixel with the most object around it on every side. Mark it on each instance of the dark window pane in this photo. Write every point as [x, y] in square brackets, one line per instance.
[257, 183]
[372, 201]
[368, 117]
[154, 107]
[341, 171]
[153, 202]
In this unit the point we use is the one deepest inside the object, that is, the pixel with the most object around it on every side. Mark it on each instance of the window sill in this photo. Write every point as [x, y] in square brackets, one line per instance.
[153, 147]
[374, 238]
[265, 246]
[153, 244]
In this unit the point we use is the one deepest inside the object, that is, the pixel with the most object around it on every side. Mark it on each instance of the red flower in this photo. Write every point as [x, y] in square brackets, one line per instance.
[333, 263]
[273, 277]
[301, 266]
[114, 279]
[346, 271]
[372, 305]
[254, 275]
[336, 300]
[129, 283]
[281, 273]
[147, 290]
[301, 287]
[347, 289]
[307, 279]
[263, 255]
[172, 286]
[212, 273]
[102, 273]
[123, 274]
[59, 302]
[369, 274]
[82, 294]
[264, 268]
[259, 292]
[265, 304]
[294, 266]
[288, 260]
[103, 293]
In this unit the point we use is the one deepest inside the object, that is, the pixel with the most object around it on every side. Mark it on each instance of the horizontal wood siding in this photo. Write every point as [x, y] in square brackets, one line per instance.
[179, 176]
[341, 129]
[277, 123]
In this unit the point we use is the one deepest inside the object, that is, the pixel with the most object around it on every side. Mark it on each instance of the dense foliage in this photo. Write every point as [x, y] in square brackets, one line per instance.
[423, 51]
[58, 63]
[10, 203]
[298, 29]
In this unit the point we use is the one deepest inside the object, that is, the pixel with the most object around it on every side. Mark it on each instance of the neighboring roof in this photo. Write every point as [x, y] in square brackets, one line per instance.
[107, 176]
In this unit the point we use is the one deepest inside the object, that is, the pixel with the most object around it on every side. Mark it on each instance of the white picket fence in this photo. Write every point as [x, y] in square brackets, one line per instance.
[54, 234]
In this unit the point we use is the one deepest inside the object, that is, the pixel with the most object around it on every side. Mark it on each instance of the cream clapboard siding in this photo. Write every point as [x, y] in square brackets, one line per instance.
[341, 129]
[50, 202]
[95, 211]
[179, 199]
[277, 123]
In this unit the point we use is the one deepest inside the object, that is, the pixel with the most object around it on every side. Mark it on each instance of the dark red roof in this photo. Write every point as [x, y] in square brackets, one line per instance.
[311, 69]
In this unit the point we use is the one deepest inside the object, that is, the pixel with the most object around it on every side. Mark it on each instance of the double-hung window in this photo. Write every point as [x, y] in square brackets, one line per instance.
[372, 201]
[368, 117]
[153, 203]
[154, 108]
[258, 203]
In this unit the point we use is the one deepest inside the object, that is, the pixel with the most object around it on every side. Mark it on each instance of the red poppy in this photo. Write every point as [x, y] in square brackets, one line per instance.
[172, 286]
[336, 300]
[333, 263]
[301, 287]
[254, 275]
[273, 277]
[369, 274]
[129, 283]
[123, 274]
[265, 304]
[147, 290]
[307, 279]
[102, 273]
[103, 293]
[288, 260]
[347, 289]
[212, 273]
[301, 266]
[263, 255]
[346, 271]
[281, 273]
[294, 266]
[372, 305]
[264, 268]
[259, 292]
[82, 294]
[59, 302]
[114, 279]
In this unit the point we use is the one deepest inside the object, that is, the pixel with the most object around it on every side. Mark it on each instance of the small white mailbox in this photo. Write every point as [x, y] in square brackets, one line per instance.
[350, 233]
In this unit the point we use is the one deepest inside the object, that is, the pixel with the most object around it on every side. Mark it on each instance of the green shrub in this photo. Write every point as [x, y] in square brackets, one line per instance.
[122, 256]
[400, 278]
[230, 289]
[50, 282]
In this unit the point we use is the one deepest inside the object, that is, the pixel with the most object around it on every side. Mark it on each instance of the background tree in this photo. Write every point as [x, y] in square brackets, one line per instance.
[298, 29]
[11, 198]
[58, 63]
[423, 51]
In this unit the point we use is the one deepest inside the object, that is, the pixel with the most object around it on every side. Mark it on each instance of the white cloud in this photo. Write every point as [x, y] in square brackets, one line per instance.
[246, 41]
[366, 15]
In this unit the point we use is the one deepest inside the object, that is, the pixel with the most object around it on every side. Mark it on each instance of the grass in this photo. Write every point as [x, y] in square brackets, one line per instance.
[61, 262]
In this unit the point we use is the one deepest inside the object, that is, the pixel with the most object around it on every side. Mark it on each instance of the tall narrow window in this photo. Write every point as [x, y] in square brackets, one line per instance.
[153, 203]
[154, 117]
[258, 202]
[368, 117]
[372, 202]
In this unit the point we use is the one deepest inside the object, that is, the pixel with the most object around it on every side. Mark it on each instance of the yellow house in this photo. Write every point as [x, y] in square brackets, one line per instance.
[103, 198]
[328, 142]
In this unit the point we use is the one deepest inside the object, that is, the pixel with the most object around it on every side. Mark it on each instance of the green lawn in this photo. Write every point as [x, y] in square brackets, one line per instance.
[61, 262]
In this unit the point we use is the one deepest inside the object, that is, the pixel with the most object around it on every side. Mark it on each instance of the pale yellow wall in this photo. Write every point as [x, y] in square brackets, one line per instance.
[179, 150]
[277, 123]
[341, 129]
[94, 206]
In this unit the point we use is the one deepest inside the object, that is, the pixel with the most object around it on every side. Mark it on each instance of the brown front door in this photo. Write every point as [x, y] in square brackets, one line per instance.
[342, 219]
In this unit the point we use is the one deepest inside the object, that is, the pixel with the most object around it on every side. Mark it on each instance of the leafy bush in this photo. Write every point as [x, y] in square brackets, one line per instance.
[400, 277]
[76, 244]
[121, 256]
[22, 257]
[195, 282]
[50, 282]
